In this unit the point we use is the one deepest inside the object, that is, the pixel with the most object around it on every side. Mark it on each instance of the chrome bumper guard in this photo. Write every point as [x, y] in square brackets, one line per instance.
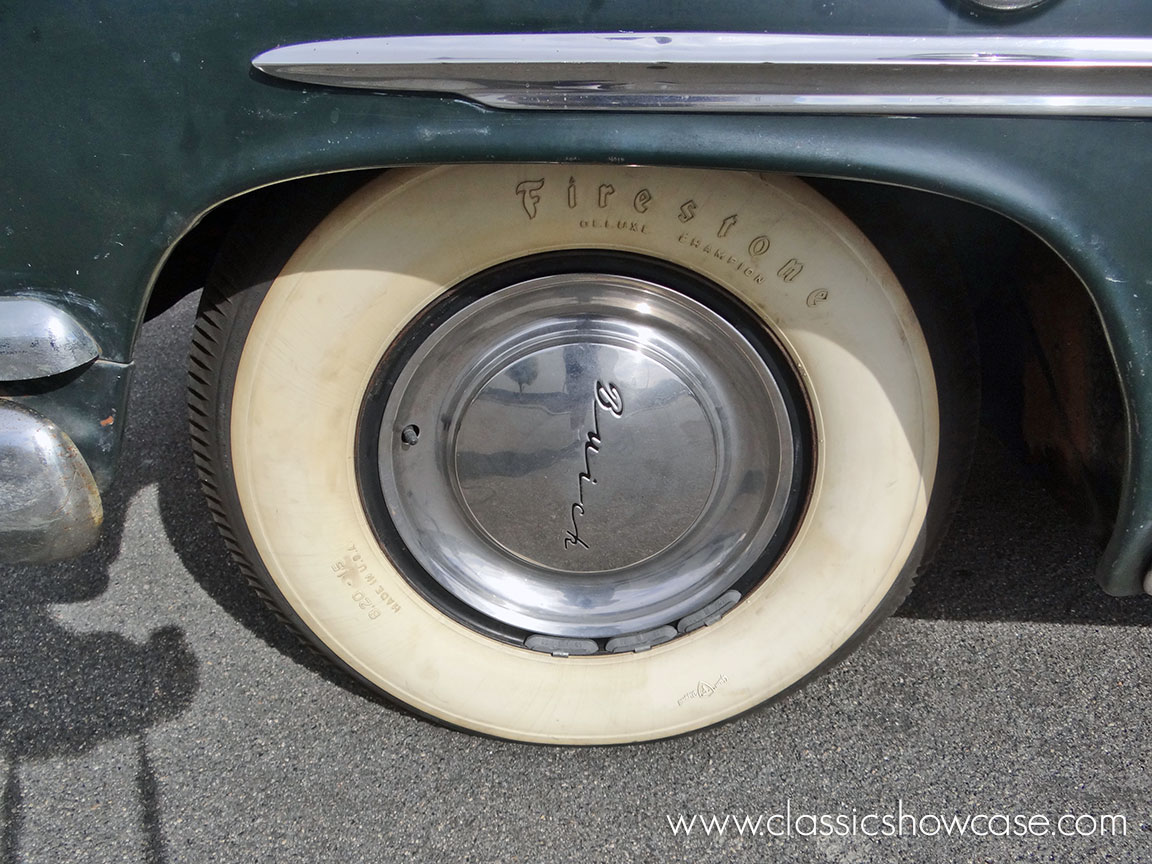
[49, 504]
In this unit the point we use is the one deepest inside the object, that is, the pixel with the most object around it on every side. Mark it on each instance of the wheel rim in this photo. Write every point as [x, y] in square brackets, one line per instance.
[584, 461]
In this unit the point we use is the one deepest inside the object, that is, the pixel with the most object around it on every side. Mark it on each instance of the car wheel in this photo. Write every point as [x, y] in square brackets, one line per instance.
[570, 454]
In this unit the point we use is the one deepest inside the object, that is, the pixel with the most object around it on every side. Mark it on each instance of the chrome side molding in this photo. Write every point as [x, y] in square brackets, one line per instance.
[49, 504]
[743, 72]
[37, 340]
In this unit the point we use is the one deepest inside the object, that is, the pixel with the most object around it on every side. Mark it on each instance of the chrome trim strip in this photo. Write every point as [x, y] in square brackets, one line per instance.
[37, 340]
[1103, 76]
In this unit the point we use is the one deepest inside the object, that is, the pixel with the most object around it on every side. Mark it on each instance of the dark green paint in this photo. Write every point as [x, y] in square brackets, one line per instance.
[124, 122]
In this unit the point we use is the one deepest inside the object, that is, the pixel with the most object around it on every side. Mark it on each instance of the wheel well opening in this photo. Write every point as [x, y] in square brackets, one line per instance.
[192, 258]
[1049, 387]
[1048, 384]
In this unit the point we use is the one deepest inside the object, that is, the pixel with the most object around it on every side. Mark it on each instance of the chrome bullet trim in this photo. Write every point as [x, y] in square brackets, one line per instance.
[38, 339]
[743, 72]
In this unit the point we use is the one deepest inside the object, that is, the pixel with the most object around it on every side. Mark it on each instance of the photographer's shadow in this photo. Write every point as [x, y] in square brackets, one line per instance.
[66, 692]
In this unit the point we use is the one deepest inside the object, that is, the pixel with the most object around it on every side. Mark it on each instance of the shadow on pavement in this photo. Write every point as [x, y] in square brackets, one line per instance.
[65, 692]
[1012, 553]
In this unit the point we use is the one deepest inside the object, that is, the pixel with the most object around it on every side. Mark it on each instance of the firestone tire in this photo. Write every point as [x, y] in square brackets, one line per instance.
[286, 352]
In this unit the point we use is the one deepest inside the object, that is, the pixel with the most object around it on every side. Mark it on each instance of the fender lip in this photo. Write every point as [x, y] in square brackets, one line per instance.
[50, 507]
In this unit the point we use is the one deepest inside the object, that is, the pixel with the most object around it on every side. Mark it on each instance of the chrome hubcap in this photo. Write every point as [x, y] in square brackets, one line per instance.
[588, 456]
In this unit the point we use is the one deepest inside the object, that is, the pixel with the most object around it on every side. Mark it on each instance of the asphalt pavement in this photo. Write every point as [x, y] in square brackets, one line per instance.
[153, 711]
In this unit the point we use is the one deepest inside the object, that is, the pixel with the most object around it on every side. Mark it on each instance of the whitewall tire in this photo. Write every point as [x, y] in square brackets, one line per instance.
[292, 350]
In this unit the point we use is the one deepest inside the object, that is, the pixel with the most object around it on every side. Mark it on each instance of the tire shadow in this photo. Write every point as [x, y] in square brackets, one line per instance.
[1013, 553]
